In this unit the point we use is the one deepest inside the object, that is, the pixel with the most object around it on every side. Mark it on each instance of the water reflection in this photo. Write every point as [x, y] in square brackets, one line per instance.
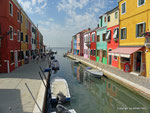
[109, 96]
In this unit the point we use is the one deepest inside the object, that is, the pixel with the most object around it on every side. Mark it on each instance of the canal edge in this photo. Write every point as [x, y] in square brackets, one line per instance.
[142, 91]
[41, 97]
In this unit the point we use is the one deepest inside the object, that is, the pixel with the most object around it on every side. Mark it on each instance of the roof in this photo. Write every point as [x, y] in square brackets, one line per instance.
[114, 9]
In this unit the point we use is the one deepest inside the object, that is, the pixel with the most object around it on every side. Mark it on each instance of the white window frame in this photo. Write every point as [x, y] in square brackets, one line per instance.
[19, 35]
[140, 5]
[139, 24]
[126, 33]
[125, 8]
[113, 32]
[9, 9]
[117, 14]
[12, 33]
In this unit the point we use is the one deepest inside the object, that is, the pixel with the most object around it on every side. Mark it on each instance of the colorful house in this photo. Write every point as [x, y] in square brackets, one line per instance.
[87, 44]
[134, 22]
[74, 45]
[101, 45]
[93, 44]
[10, 26]
[112, 36]
[78, 43]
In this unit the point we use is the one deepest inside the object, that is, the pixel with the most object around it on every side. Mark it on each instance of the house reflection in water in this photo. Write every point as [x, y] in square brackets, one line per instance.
[110, 96]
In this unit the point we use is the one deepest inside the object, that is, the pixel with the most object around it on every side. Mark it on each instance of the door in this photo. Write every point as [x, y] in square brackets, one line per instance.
[16, 59]
[110, 58]
[138, 62]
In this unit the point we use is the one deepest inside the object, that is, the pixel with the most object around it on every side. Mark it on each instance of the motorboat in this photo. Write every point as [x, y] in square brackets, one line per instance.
[61, 109]
[55, 65]
[59, 90]
[94, 72]
[76, 61]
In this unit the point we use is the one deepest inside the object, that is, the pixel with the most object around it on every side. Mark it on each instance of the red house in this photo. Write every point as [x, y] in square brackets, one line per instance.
[93, 44]
[10, 46]
[112, 36]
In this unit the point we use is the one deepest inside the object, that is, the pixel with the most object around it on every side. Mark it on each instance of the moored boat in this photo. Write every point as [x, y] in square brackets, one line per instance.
[55, 65]
[59, 90]
[94, 72]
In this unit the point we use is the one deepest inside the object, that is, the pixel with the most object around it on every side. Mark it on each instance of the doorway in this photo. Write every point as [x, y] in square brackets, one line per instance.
[137, 61]
[110, 58]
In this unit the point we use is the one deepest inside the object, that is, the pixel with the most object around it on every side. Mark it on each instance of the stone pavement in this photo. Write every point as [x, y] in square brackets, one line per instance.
[13, 92]
[139, 84]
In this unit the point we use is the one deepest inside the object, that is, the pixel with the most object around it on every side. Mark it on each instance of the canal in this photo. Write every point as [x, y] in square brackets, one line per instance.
[92, 95]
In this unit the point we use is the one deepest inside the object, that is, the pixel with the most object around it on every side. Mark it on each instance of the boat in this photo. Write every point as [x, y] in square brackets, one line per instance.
[61, 109]
[59, 91]
[94, 72]
[76, 61]
[65, 55]
[55, 65]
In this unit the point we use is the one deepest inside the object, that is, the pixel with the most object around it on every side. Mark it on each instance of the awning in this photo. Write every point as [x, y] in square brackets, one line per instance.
[124, 51]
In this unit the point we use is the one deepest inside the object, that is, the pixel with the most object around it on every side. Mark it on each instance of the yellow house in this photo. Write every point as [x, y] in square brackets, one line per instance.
[24, 45]
[134, 20]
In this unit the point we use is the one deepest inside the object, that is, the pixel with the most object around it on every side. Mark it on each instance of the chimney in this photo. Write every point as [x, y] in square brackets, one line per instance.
[89, 29]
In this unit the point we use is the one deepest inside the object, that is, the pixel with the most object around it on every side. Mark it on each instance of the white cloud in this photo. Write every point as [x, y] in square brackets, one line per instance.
[33, 6]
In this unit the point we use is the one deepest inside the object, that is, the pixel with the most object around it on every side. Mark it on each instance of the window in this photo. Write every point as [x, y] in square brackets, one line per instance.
[91, 52]
[21, 36]
[105, 19]
[123, 8]
[18, 15]
[18, 34]
[27, 53]
[140, 29]
[116, 15]
[115, 58]
[22, 55]
[108, 36]
[93, 37]
[108, 18]
[26, 38]
[19, 55]
[21, 20]
[0, 59]
[98, 52]
[123, 59]
[98, 38]
[10, 8]
[141, 2]
[11, 33]
[116, 33]
[11, 57]
[27, 24]
[109, 85]
[94, 54]
[123, 33]
[0, 31]
[104, 37]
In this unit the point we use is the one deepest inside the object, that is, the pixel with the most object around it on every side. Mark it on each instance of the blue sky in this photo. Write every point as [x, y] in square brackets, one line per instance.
[59, 20]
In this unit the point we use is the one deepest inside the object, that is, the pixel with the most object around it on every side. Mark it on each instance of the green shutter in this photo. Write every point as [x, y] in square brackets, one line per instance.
[125, 33]
[144, 27]
[137, 31]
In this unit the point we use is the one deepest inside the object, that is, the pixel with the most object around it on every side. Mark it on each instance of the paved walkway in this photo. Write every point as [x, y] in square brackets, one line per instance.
[13, 92]
[136, 81]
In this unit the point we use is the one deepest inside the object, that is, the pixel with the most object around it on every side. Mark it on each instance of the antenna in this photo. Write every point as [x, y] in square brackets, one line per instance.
[33, 97]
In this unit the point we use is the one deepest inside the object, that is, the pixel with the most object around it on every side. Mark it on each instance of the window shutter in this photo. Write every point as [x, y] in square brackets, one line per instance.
[117, 32]
[121, 34]
[144, 27]
[137, 31]
[125, 33]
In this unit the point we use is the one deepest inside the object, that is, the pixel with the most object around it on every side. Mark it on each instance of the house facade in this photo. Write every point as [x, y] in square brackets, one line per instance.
[15, 35]
[112, 36]
[134, 22]
[93, 36]
[74, 45]
[78, 43]
[10, 36]
[87, 44]
[101, 45]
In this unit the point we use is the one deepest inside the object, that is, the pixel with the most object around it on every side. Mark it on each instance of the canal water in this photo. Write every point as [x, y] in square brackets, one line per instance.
[92, 95]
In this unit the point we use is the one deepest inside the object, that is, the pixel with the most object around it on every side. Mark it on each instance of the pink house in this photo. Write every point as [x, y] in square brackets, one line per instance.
[78, 44]
[87, 44]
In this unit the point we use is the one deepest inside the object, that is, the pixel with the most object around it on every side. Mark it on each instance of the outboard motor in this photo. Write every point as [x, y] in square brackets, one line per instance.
[61, 97]
[61, 109]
